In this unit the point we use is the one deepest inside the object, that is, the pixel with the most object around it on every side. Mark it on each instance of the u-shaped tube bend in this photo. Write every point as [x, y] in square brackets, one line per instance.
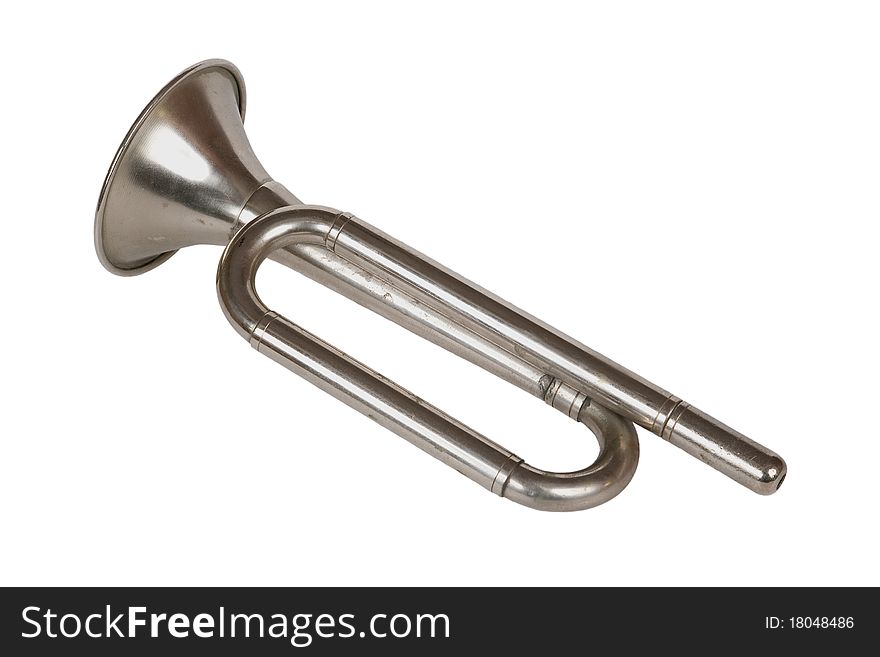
[427, 427]
[609, 474]
[252, 244]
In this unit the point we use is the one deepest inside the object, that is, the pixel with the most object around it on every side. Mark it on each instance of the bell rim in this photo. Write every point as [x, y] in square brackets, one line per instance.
[133, 269]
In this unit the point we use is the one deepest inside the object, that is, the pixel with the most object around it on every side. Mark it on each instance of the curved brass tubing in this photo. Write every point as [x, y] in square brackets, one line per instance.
[395, 408]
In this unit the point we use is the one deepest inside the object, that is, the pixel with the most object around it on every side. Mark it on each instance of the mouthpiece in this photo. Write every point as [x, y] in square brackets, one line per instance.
[725, 449]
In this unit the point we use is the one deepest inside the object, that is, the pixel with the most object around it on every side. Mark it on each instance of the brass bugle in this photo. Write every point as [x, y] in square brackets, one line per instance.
[185, 174]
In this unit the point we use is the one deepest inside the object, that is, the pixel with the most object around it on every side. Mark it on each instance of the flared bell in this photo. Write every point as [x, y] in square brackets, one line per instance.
[183, 174]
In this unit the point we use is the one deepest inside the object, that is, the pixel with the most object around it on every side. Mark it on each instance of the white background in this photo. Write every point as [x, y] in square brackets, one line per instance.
[690, 189]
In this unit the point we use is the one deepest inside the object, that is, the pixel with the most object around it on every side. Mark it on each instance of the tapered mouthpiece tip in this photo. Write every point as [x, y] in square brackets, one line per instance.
[754, 466]
[772, 476]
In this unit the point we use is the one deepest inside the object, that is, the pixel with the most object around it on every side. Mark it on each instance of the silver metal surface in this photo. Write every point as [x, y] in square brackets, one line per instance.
[396, 409]
[186, 174]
